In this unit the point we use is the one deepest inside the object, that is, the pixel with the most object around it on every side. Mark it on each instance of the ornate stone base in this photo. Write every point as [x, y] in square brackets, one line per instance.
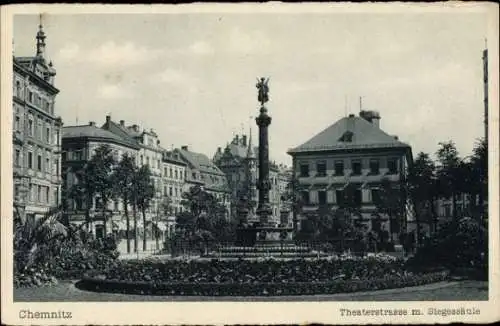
[263, 235]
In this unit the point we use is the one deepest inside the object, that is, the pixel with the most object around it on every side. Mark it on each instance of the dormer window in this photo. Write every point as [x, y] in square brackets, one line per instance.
[346, 137]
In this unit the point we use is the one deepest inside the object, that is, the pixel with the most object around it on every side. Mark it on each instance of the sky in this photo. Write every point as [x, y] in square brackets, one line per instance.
[191, 77]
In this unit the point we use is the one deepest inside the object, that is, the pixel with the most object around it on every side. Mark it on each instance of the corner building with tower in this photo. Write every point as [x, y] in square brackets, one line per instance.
[36, 134]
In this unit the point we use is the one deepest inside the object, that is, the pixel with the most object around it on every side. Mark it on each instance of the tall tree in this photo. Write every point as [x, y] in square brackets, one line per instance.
[145, 194]
[101, 166]
[391, 202]
[123, 181]
[449, 173]
[479, 162]
[93, 179]
[422, 190]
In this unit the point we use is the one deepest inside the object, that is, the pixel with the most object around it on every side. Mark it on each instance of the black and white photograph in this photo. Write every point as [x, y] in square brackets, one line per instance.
[340, 157]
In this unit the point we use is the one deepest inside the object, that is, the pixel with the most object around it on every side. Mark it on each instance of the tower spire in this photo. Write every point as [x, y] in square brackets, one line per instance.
[40, 40]
[250, 150]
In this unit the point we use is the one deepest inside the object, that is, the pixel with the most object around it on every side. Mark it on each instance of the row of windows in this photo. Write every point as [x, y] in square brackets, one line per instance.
[340, 197]
[174, 174]
[34, 98]
[41, 194]
[151, 162]
[39, 163]
[41, 130]
[172, 191]
[356, 167]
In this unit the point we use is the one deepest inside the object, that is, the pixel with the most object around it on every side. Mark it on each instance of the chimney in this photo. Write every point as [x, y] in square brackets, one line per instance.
[351, 115]
[108, 118]
[244, 140]
[184, 148]
[371, 116]
[135, 128]
[92, 123]
[122, 123]
[219, 149]
[396, 137]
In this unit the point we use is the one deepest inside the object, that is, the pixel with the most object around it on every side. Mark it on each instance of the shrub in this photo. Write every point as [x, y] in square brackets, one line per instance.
[457, 246]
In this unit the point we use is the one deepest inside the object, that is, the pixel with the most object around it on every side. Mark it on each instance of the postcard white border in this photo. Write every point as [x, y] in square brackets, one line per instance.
[241, 312]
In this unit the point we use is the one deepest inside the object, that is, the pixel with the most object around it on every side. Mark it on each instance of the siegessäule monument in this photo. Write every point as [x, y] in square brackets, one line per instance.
[262, 231]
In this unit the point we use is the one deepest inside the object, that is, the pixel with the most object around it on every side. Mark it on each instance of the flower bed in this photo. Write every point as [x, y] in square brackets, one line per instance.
[258, 288]
[257, 277]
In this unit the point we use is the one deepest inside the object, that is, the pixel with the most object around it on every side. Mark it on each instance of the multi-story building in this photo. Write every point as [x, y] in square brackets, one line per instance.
[353, 151]
[36, 134]
[201, 171]
[174, 175]
[79, 144]
[239, 162]
[150, 153]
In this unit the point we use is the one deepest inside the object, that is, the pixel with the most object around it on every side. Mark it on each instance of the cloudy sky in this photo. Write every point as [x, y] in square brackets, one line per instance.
[191, 77]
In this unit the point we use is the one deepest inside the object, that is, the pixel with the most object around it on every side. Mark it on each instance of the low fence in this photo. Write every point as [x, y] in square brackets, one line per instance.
[181, 247]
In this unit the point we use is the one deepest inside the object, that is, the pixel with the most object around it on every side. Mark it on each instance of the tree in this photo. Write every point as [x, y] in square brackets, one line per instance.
[479, 166]
[145, 193]
[202, 209]
[123, 181]
[391, 202]
[101, 166]
[449, 173]
[422, 190]
[93, 179]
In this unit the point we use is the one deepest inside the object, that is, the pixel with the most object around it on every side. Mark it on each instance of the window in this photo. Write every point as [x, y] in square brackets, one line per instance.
[339, 167]
[322, 197]
[357, 197]
[147, 160]
[304, 170]
[56, 197]
[176, 192]
[30, 160]
[39, 129]
[32, 192]
[56, 167]
[30, 127]
[374, 166]
[30, 96]
[116, 205]
[375, 196]
[39, 194]
[339, 194]
[356, 167]
[47, 195]
[305, 197]
[321, 169]
[17, 123]
[47, 165]
[176, 174]
[142, 160]
[170, 173]
[346, 137]
[170, 192]
[17, 157]
[39, 162]
[193, 175]
[392, 165]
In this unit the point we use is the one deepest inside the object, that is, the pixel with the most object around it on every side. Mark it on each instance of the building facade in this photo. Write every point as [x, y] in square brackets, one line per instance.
[239, 162]
[353, 152]
[174, 179]
[78, 146]
[201, 171]
[36, 134]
